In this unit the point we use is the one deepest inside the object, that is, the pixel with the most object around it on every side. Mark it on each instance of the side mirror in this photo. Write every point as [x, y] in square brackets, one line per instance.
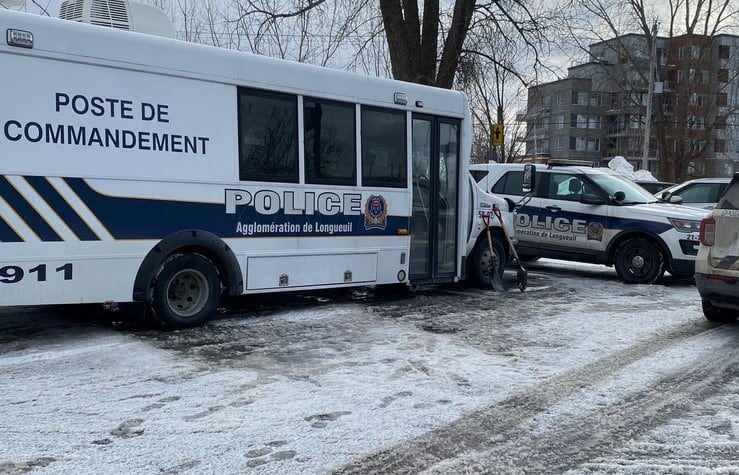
[529, 178]
[668, 197]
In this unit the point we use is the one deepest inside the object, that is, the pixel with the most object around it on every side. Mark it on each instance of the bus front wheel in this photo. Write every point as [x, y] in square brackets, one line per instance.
[484, 264]
[185, 291]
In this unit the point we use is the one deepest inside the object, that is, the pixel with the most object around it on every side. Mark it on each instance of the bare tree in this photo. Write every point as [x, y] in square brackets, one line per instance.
[316, 32]
[491, 73]
[425, 42]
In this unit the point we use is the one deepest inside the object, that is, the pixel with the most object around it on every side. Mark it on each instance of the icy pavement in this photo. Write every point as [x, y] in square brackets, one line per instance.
[580, 374]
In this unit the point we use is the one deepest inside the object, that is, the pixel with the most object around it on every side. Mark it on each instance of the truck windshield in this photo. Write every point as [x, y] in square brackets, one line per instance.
[612, 184]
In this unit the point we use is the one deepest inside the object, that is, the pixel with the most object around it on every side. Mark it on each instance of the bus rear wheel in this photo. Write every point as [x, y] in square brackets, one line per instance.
[185, 292]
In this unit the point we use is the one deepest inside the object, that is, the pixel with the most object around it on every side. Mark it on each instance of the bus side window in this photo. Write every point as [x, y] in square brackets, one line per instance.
[330, 150]
[384, 150]
[268, 136]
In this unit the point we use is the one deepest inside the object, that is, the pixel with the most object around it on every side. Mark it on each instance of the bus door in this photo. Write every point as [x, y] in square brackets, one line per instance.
[434, 240]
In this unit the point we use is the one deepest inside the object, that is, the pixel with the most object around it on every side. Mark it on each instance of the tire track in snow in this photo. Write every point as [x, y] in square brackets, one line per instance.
[495, 432]
[580, 440]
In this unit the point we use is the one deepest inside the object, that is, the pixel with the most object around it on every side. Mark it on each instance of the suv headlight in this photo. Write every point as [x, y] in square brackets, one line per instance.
[685, 225]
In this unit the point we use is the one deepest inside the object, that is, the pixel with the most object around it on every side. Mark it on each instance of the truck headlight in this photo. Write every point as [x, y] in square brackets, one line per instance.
[685, 225]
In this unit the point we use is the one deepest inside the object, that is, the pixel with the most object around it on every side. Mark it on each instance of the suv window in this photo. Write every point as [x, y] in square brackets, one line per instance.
[563, 186]
[730, 200]
[701, 193]
[510, 184]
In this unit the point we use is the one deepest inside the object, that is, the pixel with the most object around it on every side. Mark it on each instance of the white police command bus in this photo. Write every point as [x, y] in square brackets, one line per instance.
[135, 168]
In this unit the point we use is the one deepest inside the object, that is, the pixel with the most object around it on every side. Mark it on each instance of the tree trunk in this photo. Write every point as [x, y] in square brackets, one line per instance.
[414, 46]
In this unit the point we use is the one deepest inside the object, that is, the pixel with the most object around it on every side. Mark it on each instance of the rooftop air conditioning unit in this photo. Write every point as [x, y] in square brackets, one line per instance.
[120, 14]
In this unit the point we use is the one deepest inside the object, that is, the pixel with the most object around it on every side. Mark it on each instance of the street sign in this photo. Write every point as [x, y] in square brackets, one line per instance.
[497, 135]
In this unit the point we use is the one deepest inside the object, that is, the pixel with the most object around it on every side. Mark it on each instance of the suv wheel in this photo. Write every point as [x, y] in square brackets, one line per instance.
[639, 261]
[718, 315]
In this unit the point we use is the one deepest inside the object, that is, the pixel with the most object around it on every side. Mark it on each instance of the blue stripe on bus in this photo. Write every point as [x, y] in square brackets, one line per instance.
[7, 234]
[141, 218]
[34, 220]
[62, 208]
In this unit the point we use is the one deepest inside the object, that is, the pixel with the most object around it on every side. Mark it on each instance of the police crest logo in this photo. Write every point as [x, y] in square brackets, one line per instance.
[375, 212]
[594, 231]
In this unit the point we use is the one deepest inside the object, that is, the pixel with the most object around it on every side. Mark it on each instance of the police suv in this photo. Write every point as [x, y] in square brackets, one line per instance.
[576, 212]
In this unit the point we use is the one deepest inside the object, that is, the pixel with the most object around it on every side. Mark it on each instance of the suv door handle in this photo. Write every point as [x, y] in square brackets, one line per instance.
[554, 208]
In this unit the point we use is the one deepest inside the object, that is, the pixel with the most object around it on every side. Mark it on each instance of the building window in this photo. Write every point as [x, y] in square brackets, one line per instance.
[662, 56]
[579, 98]
[693, 50]
[719, 146]
[578, 143]
[724, 51]
[696, 122]
[723, 75]
[560, 121]
[542, 147]
[698, 100]
[722, 99]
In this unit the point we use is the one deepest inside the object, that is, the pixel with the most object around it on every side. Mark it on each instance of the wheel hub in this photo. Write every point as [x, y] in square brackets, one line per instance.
[187, 292]
[637, 262]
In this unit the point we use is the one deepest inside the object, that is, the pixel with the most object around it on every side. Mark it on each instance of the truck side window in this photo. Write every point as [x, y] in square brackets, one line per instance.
[268, 136]
[384, 148]
[330, 150]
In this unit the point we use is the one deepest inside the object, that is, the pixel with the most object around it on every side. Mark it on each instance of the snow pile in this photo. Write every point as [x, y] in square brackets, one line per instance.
[623, 167]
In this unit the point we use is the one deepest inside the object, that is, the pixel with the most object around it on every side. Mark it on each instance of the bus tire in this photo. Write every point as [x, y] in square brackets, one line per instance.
[185, 291]
[639, 261]
[483, 264]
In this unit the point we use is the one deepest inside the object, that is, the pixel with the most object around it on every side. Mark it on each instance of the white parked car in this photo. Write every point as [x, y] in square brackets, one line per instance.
[698, 193]
[717, 264]
[587, 214]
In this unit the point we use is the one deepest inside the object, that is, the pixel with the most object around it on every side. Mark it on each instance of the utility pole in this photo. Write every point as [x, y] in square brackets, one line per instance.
[650, 93]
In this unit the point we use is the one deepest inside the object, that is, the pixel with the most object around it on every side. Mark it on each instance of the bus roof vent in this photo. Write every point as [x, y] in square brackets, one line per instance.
[120, 14]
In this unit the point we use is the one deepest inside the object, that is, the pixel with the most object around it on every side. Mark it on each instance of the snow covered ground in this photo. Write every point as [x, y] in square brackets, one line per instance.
[580, 374]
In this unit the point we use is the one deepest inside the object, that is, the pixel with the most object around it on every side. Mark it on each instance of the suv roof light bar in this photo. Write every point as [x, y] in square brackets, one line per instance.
[563, 162]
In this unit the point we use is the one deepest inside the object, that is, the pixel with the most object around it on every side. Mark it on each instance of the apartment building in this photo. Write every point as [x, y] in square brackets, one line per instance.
[599, 110]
